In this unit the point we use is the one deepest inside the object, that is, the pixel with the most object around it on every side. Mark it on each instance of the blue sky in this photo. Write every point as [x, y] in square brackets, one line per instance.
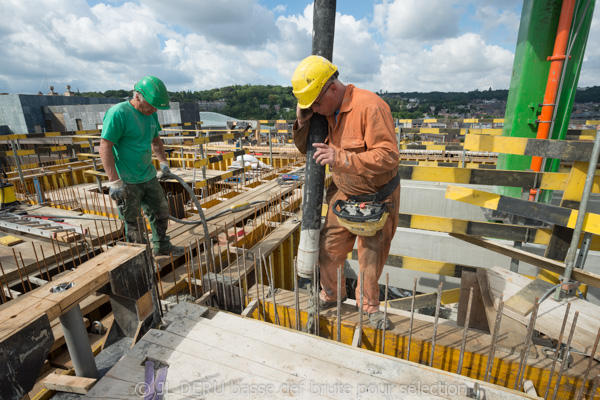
[390, 45]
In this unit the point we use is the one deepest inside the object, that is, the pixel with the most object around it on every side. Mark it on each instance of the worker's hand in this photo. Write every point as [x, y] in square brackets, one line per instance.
[325, 154]
[304, 115]
[116, 190]
[164, 170]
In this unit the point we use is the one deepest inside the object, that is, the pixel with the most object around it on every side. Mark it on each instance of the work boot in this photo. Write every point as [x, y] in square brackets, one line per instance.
[378, 320]
[323, 305]
[175, 250]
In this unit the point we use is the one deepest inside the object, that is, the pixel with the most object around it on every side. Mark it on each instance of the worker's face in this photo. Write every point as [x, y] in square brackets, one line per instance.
[325, 104]
[146, 108]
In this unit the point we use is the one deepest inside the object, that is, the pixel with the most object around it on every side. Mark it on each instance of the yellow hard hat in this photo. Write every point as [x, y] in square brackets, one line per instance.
[309, 78]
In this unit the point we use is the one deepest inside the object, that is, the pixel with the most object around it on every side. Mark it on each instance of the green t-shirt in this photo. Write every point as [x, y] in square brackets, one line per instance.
[132, 133]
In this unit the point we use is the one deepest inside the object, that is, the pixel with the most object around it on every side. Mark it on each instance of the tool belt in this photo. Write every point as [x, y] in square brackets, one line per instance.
[381, 195]
[365, 219]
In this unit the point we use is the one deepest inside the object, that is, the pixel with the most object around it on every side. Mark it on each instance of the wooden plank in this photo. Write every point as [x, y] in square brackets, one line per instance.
[523, 301]
[560, 149]
[524, 179]
[551, 265]
[68, 383]
[478, 318]
[477, 228]
[551, 313]
[510, 333]
[425, 300]
[530, 209]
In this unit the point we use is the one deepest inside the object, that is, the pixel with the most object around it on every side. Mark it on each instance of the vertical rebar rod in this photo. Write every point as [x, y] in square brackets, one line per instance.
[272, 286]
[46, 264]
[360, 308]
[339, 304]
[187, 271]
[256, 286]
[199, 260]
[412, 317]
[262, 285]
[225, 291]
[37, 262]
[435, 322]
[296, 294]
[465, 333]
[527, 345]
[490, 361]
[206, 256]
[6, 282]
[589, 368]
[563, 365]
[174, 279]
[239, 281]
[214, 263]
[246, 290]
[20, 275]
[385, 306]
[318, 293]
[558, 348]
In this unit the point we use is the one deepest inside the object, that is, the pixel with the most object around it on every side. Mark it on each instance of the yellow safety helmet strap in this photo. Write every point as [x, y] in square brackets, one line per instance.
[309, 79]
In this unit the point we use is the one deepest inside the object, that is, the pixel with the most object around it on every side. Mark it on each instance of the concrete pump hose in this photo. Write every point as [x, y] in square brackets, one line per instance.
[202, 221]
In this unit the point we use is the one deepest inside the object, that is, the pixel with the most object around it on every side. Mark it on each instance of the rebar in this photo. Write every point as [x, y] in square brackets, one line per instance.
[465, 333]
[490, 362]
[296, 294]
[527, 345]
[339, 304]
[174, 279]
[385, 305]
[412, 315]
[558, 348]
[563, 365]
[435, 322]
[360, 308]
[589, 368]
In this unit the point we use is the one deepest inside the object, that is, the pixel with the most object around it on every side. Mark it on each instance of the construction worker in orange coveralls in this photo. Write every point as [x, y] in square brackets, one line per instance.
[361, 150]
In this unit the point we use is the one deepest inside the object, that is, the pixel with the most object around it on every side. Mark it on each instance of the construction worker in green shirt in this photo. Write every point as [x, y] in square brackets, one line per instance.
[129, 136]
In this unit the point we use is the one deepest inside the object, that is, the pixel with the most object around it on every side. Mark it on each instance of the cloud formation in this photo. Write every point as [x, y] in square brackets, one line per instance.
[393, 45]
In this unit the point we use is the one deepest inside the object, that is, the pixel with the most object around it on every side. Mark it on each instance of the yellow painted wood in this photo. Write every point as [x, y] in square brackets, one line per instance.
[405, 121]
[429, 266]
[498, 120]
[593, 122]
[441, 174]
[429, 120]
[10, 240]
[430, 130]
[472, 196]
[471, 120]
[499, 144]
[486, 131]
[503, 373]
[438, 224]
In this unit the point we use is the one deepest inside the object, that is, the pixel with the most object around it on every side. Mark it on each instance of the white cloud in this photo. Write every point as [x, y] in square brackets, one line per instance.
[195, 45]
[416, 19]
[241, 23]
[456, 64]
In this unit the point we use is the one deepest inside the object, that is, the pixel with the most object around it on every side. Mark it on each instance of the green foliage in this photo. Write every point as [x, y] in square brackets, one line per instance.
[260, 101]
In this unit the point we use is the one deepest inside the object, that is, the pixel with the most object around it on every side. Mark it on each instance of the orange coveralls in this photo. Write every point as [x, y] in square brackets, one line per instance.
[366, 158]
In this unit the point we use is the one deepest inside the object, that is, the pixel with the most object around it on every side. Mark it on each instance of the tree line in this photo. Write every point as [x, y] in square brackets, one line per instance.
[278, 102]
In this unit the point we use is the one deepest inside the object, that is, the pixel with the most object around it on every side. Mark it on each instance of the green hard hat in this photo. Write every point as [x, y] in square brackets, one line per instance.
[154, 92]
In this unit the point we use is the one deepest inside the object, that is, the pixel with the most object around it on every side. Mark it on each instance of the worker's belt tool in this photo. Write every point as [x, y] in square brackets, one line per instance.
[365, 215]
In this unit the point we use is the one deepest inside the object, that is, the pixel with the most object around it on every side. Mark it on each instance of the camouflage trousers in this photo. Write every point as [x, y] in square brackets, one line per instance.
[149, 197]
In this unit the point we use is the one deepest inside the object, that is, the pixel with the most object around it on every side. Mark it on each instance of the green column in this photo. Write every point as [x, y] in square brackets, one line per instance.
[535, 43]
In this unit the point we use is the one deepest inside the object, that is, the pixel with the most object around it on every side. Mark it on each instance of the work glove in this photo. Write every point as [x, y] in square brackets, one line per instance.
[116, 190]
[164, 170]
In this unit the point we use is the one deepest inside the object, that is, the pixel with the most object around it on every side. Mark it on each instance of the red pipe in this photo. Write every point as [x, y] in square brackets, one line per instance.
[550, 96]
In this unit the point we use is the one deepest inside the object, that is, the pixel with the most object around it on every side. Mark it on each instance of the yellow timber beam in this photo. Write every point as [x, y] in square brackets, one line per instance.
[539, 211]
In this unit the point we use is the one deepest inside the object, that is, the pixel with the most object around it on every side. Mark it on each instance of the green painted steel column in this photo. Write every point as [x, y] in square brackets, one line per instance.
[535, 43]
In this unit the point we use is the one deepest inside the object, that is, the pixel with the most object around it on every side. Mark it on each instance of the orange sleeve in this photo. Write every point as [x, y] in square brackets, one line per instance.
[301, 136]
[376, 151]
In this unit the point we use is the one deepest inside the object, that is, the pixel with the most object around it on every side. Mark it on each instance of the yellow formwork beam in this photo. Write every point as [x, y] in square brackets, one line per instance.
[503, 373]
